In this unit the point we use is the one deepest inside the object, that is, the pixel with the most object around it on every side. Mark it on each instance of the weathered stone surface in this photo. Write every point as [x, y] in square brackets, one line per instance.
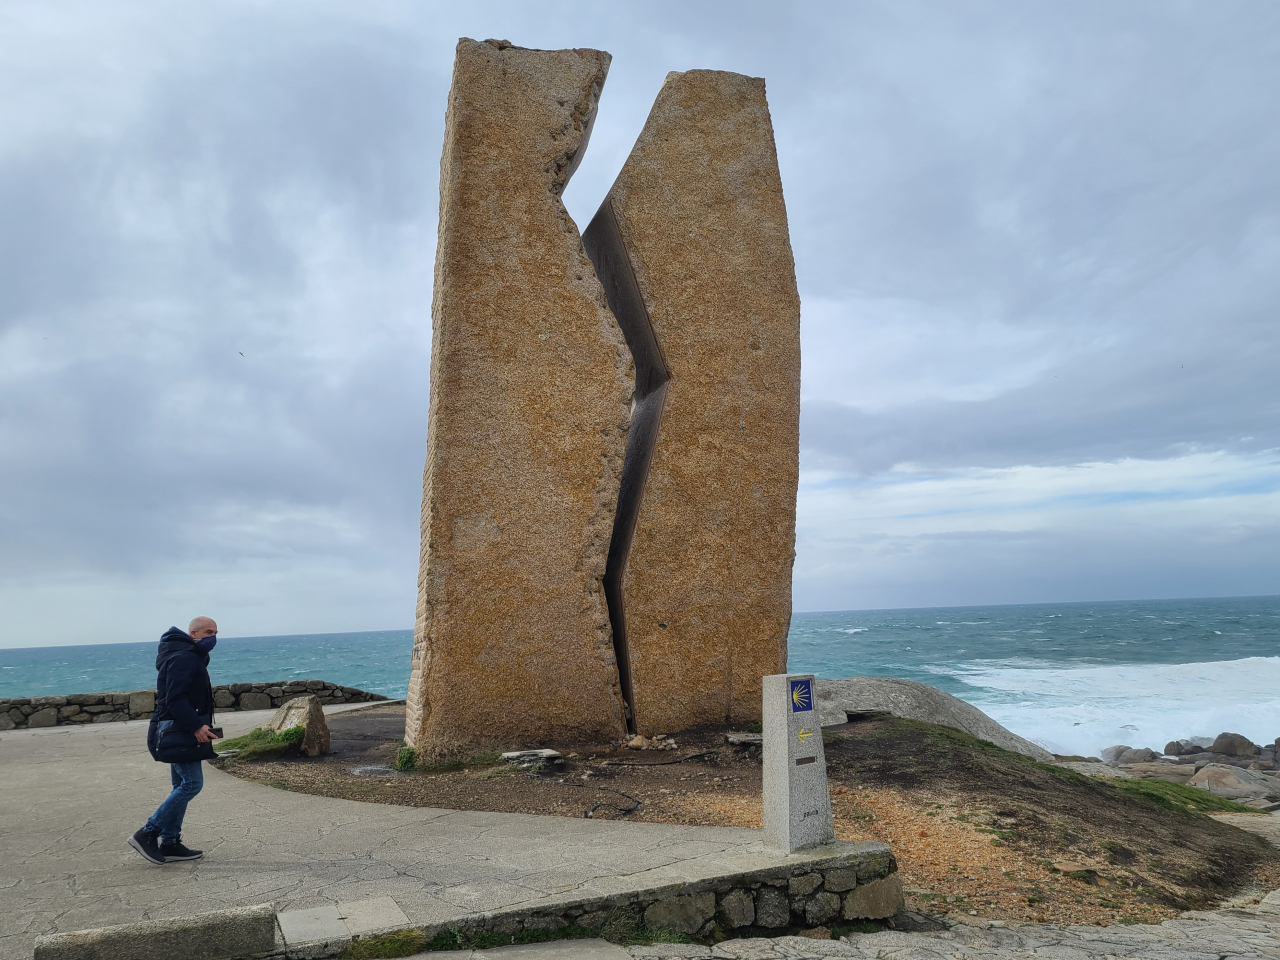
[804, 884]
[70, 710]
[738, 908]
[47, 717]
[250, 700]
[693, 250]
[773, 909]
[841, 880]
[142, 701]
[1136, 755]
[822, 907]
[304, 712]
[918, 701]
[224, 698]
[875, 900]
[6, 722]
[1233, 783]
[1234, 745]
[530, 402]
[682, 914]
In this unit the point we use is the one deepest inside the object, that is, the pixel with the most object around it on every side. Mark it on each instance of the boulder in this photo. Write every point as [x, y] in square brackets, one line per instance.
[223, 698]
[917, 701]
[682, 914]
[1234, 745]
[1136, 755]
[141, 701]
[1111, 755]
[303, 712]
[773, 909]
[823, 907]
[1234, 783]
[6, 722]
[738, 908]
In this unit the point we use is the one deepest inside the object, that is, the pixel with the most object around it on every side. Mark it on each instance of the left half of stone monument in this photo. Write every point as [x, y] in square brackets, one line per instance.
[531, 385]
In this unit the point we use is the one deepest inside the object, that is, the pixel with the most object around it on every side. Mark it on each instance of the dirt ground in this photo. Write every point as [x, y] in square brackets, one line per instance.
[977, 831]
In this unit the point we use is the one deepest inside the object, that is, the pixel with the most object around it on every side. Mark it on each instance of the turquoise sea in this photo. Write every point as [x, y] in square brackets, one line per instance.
[1074, 676]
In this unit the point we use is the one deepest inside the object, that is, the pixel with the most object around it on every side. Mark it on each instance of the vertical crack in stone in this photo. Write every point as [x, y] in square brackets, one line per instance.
[603, 242]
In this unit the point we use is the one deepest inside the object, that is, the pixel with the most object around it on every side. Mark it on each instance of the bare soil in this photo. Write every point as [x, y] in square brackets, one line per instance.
[977, 831]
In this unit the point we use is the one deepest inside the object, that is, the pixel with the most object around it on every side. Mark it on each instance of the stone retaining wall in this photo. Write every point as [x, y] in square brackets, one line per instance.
[23, 712]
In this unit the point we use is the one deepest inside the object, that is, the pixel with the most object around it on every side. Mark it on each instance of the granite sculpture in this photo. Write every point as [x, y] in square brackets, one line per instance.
[608, 516]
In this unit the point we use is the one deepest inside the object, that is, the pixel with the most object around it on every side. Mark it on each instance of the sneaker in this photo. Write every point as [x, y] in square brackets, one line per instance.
[177, 851]
[147, 845]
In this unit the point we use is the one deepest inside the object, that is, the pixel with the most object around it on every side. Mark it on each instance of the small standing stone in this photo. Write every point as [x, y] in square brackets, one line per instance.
[875, 900]
[303, 712]
[797, 805]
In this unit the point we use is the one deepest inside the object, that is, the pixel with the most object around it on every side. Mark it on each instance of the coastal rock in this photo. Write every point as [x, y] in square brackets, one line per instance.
[254, 701]
[1234, 745]
[1111, 755]
[530, 404]
[47, 717]
[6, 722]
[916, 701]
[692, 248]
[1234, 783]
[1182, 748]
[303, 712]
[1136, 755]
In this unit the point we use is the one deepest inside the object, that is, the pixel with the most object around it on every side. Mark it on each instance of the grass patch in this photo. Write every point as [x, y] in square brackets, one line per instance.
[1175, 796]
[262, 744]
[406, 758]
[397, 943]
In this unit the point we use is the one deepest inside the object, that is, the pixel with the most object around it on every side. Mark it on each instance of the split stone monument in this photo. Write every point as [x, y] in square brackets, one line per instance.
[608, 519]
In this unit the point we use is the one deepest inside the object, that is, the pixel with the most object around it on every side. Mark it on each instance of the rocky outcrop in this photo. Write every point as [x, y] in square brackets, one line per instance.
[692, 247]
[24, 712]
[1235, 745]
[305, 712]
[1235, 783]
[917, 701]
[530, 403]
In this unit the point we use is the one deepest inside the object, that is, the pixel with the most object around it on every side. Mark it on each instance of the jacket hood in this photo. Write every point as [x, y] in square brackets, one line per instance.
[172, 643]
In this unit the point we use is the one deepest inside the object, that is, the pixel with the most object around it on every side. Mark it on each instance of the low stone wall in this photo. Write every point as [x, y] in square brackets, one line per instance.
[24, 712]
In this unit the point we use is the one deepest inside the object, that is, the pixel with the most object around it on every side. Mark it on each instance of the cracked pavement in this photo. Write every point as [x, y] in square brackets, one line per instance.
[71, 797]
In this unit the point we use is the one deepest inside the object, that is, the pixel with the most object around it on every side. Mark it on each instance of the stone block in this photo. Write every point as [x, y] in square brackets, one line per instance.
[692, 247]
[873, 866]
[738, 908]
[6, 722]
[797, 805]
[219, 935]
[274, 692]
[17, 716]
[875, 900]
[47, 717]
[119, 699]
[251, 700]
[81, 718]
[302, 712]
[773, 909]
[314, 685]
[27, 709]
[841, 879]
[99, 708]
[684, 914]
[141, 701]
[223, 697]
[85, 699]
[70, 710]
[108, 717]
[41, 702]
[821, 907]
[804, 884]
[530, 403]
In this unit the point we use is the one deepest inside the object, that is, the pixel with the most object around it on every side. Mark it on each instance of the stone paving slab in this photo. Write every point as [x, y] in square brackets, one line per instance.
[72, 795]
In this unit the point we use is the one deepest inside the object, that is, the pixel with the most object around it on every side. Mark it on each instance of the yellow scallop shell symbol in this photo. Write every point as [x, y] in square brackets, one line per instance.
[800, 695]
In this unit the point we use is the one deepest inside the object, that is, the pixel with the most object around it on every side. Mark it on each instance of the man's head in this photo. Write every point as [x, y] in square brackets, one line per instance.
[202, 627]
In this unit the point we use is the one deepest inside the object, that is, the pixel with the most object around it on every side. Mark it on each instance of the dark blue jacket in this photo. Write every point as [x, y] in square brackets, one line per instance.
[183, 691]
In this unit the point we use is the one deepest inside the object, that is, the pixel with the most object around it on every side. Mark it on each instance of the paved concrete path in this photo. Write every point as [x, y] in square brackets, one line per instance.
[70, 796]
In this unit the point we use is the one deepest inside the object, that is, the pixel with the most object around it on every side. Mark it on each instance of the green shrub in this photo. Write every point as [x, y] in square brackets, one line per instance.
[406, 758]
[397, 943]
[1175, 796]
[263, 744]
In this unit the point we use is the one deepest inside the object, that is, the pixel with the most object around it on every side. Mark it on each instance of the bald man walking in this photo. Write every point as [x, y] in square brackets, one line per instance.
[179, 735]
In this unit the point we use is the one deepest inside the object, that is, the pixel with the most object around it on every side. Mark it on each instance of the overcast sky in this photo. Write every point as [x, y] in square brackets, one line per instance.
[1038, 249]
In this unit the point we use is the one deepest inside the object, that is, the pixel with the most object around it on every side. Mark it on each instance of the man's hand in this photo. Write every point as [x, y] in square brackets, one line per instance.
[205, 735]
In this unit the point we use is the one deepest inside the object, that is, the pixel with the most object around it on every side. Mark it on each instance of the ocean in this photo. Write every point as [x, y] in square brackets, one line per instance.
[1074, 677]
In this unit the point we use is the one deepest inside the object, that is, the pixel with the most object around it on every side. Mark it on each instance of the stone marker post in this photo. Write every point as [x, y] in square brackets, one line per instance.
[797, 806]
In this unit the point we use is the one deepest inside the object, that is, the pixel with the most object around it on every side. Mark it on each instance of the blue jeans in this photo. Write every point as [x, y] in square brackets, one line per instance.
[188, 780]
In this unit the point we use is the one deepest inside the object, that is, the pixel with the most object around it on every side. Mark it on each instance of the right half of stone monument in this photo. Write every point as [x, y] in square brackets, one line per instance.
[692, 248]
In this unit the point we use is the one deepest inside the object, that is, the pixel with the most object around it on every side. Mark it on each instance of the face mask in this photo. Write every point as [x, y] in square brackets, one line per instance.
[207, 644]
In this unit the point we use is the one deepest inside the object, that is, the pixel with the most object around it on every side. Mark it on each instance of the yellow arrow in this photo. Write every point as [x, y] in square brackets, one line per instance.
[804, 734]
